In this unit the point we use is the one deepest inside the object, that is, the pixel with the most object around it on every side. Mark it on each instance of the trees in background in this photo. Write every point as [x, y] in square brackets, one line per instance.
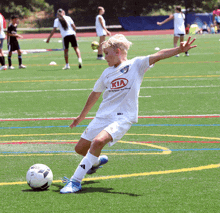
[85, 10]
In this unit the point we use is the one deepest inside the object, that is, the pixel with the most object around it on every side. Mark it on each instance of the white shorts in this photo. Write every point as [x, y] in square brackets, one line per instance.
[101, 33]
[115, 127]
[178, 35]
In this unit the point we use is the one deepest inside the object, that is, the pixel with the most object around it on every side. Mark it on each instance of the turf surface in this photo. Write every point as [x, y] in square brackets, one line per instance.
[163, 164]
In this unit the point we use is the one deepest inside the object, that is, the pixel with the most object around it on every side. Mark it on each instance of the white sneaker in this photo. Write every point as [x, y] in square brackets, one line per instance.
[66, 67]
[3, 67]
[177, 55]
[11, 68]
[100, 58]
[187, 54]
[71, 186]
[22, 66]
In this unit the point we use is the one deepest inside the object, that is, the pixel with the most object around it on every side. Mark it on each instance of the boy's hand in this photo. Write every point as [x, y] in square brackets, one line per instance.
[186, 45]
[75, 122]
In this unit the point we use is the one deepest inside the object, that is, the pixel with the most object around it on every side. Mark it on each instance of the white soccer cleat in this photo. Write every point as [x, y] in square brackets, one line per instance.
[177, 55]
[66, 67]
[3, 67]
[71, 186]
[11, 68]
[22, 66]
[103, 159]
[100, 58]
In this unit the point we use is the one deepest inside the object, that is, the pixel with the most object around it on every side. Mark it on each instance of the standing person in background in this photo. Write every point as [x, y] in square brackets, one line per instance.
[187, 28]
[2, 37]
[179, 26]
[68, 33]
[216, 17]
[101, 31]
[13, 42]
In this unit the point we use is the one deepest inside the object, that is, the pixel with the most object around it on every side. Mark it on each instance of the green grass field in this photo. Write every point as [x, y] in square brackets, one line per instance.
[163, 164]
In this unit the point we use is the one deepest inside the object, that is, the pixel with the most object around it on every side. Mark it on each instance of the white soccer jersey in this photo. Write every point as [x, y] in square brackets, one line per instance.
[179, 26]
[121, 86]
[2, 33]
[99, 29]
[63, 32]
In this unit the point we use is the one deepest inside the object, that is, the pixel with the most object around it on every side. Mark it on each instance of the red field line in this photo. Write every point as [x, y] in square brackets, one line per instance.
[93, 34]
[177, 141]
[28, 142]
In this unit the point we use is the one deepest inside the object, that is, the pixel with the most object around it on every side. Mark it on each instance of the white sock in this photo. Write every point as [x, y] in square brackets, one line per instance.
[87, 162]
[80, 60]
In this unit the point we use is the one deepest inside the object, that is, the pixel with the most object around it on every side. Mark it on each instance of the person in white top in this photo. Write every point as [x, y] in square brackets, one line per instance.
[101, 31]
[2, 37]
[120, 84]
[68, 33]
[179, 26]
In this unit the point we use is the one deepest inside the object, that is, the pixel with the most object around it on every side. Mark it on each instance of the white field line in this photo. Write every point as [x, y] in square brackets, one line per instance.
[65, 90]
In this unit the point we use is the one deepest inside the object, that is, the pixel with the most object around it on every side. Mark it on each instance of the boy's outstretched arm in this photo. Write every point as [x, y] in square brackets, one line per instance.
[167, 53]
[92, 99]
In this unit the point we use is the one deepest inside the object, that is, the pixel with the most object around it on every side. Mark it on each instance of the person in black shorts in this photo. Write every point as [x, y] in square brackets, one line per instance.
[68, 33]
[13, 42]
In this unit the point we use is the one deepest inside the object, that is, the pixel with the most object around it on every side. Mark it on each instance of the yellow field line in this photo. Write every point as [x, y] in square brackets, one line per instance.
[159, 135]
[94, 79]
[178, 136]
[199, 168]
[165, 151]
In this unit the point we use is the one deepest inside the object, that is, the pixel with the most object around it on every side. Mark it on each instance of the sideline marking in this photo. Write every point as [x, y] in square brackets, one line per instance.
[89, 118]
[95, 79]
[199, 168]
[164, 151]
[66, 126]
[75, 141]
[132, 134]
[90, 89]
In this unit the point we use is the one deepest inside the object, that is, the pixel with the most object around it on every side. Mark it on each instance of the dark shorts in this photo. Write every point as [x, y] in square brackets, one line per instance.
[12, 46]
[1, 42]
[69, 39]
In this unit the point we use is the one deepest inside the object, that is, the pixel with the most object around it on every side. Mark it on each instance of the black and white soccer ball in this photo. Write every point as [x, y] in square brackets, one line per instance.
[39, 177]
[95, 45]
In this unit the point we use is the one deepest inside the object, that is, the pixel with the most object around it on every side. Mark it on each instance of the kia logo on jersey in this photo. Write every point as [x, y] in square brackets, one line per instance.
[119, 83]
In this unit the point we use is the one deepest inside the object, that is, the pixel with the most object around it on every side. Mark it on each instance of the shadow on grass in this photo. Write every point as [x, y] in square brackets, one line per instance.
[95, 189]
[34, 190]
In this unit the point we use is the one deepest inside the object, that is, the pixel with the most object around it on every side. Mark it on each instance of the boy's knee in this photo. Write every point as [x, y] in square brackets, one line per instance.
[97, 143]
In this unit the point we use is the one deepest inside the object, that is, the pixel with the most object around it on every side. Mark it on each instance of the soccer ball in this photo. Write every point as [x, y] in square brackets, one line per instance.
[39, 177]
[95, 45]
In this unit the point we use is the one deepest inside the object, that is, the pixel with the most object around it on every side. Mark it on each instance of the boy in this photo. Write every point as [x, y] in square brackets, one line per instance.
[13, 42]
[120, 83]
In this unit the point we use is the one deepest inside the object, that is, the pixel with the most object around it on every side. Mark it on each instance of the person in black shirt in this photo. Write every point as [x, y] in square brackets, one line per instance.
[13, 42]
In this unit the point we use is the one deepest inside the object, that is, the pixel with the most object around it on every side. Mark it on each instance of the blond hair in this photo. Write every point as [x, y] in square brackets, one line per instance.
[117, 41]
